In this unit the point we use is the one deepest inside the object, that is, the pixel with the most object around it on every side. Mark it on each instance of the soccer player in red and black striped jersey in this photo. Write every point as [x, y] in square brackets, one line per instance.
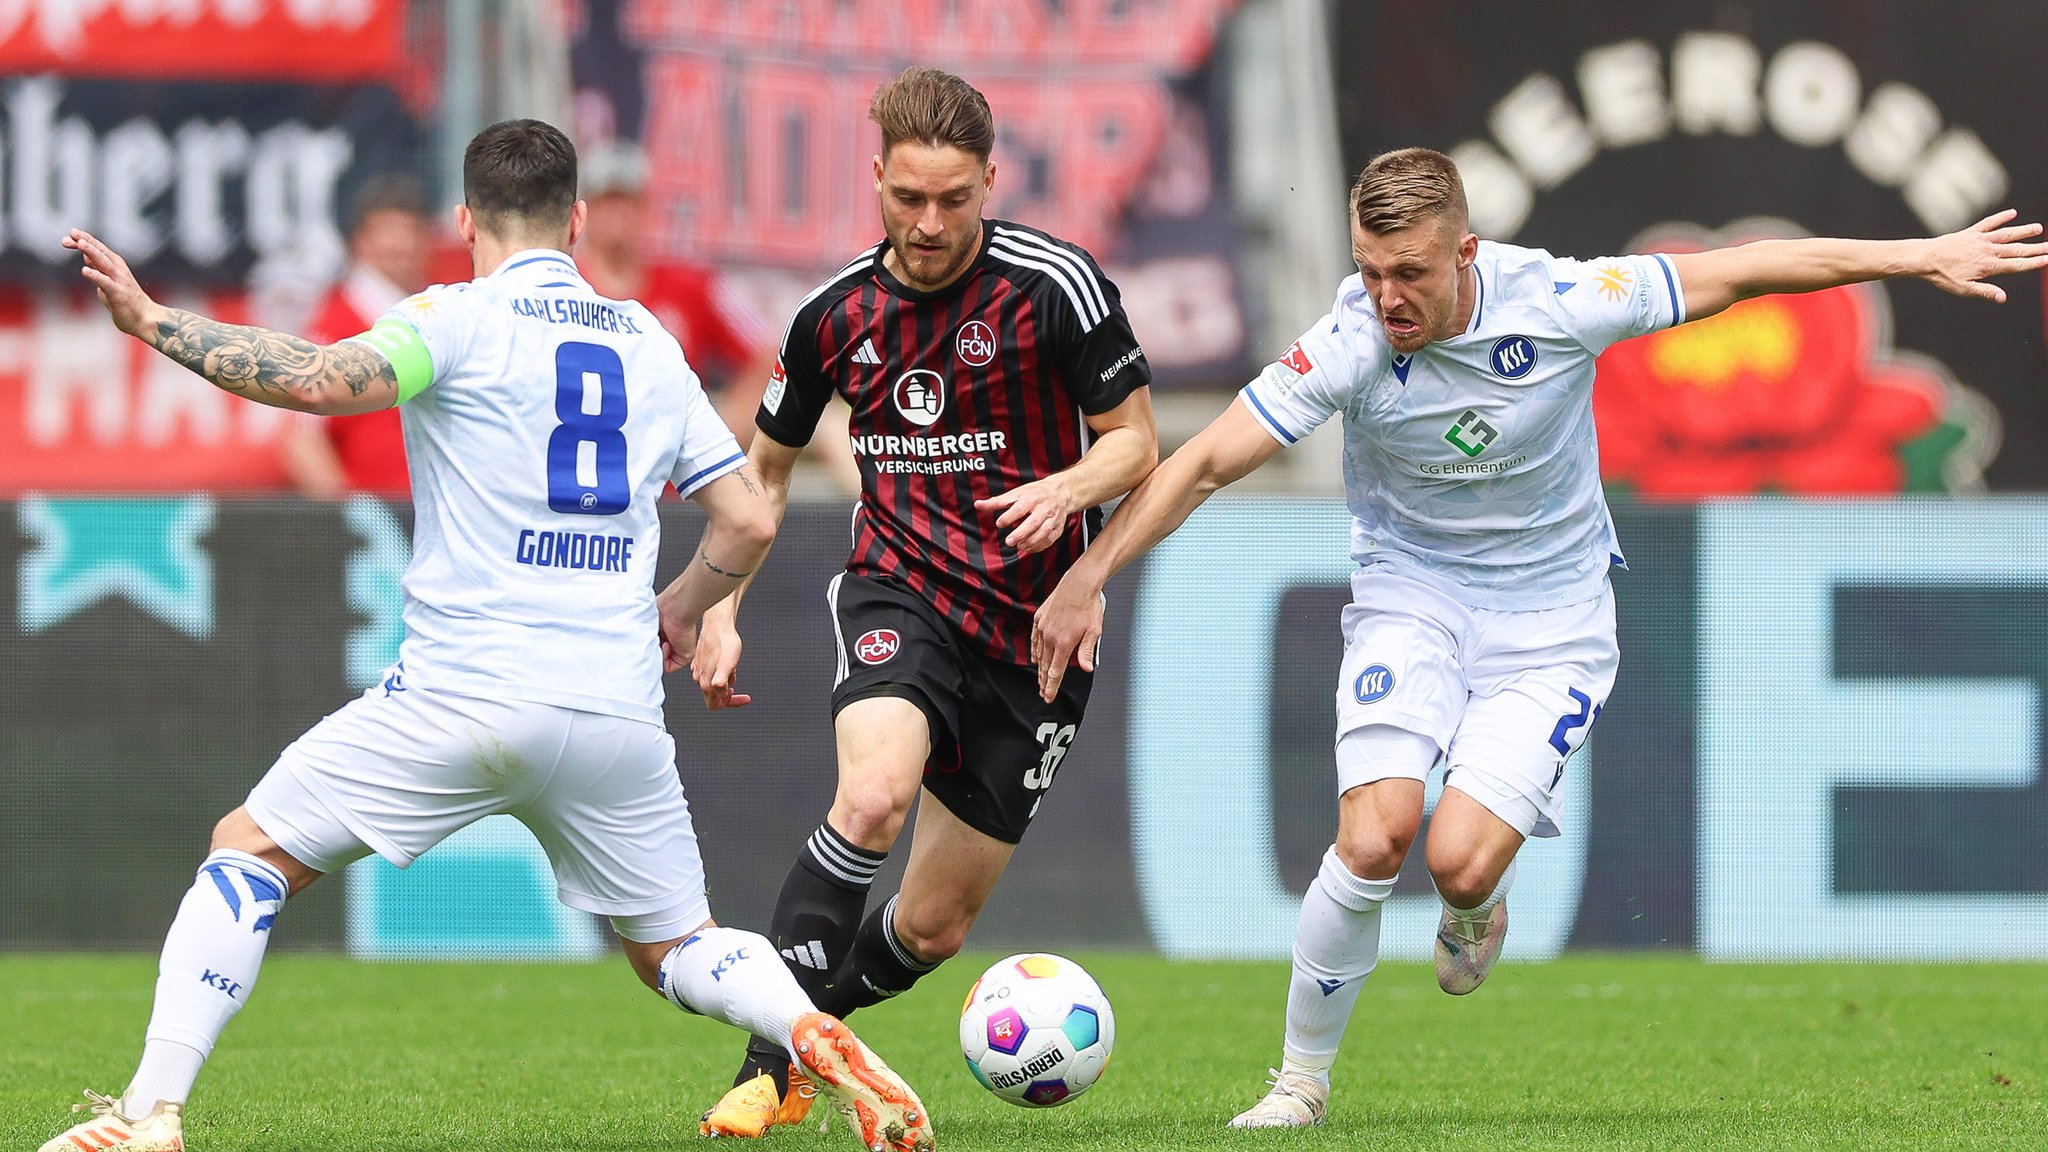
[999, 397]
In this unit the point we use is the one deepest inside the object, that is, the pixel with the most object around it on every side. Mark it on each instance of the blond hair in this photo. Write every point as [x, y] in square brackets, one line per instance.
[939, 109]
[1407, 187]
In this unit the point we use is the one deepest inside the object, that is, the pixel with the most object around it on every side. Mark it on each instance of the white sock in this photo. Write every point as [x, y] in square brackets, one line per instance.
[211, 956]
[1485, 908]
[1336, 945]
[734, 975]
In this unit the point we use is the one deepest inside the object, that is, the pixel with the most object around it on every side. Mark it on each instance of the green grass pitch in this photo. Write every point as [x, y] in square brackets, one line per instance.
[1588, 1052]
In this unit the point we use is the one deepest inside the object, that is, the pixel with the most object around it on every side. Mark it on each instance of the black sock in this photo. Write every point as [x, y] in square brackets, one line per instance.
[878, 967]
[816, 918]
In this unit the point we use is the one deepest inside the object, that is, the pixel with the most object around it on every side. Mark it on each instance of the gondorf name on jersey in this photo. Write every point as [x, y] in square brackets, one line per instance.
[588, 551]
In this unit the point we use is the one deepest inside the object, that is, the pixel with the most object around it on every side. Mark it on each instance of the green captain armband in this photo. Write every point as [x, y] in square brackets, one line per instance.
[402, 346]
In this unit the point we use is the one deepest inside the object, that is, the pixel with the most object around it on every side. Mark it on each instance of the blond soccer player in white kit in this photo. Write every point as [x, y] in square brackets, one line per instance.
[542, 424]
[1481, 628]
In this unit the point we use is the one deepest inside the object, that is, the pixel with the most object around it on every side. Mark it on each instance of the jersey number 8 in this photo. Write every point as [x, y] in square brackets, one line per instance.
[610, 491]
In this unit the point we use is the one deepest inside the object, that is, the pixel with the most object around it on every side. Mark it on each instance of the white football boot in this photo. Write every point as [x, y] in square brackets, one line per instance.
[1466, 949]
[1295, 1100]
[163, 1130]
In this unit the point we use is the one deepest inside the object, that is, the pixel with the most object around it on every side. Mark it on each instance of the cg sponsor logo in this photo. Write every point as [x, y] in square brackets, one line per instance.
[1373, 684]
[977, 344]
[878, 646]
[1471, 435]
[920, 395]
[1513, 357]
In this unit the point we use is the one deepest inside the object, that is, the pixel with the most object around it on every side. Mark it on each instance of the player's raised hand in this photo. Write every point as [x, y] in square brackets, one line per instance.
[717, 661]
[1961, 261]
[1035, 515]
[1066, 631]
[132, 309]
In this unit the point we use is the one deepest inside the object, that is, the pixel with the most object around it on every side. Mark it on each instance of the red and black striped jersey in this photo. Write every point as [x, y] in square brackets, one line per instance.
[958, 394]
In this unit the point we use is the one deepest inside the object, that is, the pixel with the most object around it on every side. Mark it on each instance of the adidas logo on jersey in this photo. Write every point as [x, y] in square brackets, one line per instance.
[867, 353]
[811, 955]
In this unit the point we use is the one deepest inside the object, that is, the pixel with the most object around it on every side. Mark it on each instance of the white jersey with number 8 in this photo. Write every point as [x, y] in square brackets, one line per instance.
[539, 448]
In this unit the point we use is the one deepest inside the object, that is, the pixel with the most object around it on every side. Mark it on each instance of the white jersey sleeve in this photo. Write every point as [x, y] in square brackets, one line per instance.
[1321, 373]
[1608, 299]
[709, 449]
[445, 317]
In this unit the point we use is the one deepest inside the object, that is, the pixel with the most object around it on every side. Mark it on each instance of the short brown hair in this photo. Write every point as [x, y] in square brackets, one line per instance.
[1407, 187]
[519, 175]
[939, 109]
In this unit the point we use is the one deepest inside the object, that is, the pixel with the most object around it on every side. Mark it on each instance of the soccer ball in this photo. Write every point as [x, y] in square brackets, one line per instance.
[1036, 1030]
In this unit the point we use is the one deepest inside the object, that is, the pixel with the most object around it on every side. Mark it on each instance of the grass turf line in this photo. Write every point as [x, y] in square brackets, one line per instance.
[1589, 1052]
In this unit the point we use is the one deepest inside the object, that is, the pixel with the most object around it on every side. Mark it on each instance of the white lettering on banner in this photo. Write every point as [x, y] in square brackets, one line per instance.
[74, 356]
[1538, 126]
[1810, 93]
[1012, 34]
[1200, 775]
[139, 166]
[1624, 87]
[80, 377]
[207, 153]
[60, 25]
[60, 175]
[1896, 128]
[1779, 732]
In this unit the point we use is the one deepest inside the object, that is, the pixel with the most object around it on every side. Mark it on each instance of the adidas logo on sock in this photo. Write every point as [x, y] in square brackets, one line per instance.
[811, 955]
[867, 353]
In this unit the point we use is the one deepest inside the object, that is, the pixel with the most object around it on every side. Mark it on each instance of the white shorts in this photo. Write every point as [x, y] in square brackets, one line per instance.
[396, 772]
[1506, 696]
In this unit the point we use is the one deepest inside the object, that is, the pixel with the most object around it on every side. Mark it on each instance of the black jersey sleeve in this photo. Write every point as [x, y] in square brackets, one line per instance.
[797, 387]
[1098, 351]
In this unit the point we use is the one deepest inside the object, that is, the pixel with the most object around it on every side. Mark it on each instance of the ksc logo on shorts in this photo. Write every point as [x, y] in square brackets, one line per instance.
[1373, 684]
[878, 646]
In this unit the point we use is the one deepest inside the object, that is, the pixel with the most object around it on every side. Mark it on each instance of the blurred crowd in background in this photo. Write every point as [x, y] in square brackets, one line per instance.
[294, 162]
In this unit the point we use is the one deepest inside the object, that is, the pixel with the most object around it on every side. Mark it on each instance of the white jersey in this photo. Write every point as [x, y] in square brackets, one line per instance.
[539, 451]
[1474, 461]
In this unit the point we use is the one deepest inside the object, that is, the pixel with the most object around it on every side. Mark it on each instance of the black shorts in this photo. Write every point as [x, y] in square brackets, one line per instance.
[995, 745]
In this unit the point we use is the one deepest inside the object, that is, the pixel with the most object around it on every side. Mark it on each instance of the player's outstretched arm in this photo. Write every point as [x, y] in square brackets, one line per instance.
[1069, 623]
[717, 658]
[1126, 448]
[741, 525]
[1960, 263]
[268, 367]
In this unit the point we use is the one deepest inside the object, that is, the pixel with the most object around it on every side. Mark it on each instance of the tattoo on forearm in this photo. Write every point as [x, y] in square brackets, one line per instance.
[263, 365]
[725, 572]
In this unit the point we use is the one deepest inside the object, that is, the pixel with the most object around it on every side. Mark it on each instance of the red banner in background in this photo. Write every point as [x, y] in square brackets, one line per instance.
[84, 408]
[1111, 133]
[309, 41]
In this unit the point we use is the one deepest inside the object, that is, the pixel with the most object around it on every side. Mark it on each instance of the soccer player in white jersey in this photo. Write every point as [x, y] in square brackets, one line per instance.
[1481, 629]
[542, 423]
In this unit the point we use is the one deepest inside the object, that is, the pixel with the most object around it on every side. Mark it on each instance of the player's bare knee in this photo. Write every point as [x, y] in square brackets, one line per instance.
[1463, 883]
[1372, 853]
[869, 813]
[932, 939]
